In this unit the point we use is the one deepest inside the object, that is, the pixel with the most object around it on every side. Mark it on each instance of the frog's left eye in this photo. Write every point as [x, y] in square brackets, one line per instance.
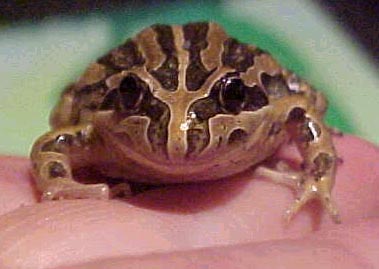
[232, 94]
[131, 92]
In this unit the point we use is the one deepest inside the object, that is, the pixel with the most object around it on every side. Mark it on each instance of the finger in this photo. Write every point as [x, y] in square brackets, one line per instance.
[335, 248]
[180, 217]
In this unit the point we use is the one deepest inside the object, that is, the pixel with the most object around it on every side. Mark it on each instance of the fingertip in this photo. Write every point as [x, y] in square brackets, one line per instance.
[16, 184]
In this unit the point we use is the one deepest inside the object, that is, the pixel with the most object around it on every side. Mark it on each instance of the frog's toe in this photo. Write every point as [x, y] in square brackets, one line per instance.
[298, 204]
[330, 206]
[282, 174]
[313, 190]
[76, 191]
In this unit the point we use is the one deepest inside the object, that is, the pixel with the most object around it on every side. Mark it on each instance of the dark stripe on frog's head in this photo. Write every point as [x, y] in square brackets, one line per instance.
[238, 55]
[195, 35]
[167, 73]
[123, 57]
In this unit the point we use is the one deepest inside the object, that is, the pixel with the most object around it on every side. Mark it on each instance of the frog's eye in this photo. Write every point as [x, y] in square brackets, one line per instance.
[232, 94]
[131, 92]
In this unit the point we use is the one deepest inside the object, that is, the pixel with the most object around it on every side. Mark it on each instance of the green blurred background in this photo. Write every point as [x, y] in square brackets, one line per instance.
[38, 58]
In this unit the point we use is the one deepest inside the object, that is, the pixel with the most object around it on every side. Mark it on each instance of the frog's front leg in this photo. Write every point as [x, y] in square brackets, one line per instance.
[314, 142]
[305, 127]
[52, 157]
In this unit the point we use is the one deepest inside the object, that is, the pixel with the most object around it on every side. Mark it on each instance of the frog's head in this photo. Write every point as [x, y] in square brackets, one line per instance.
[182, 93]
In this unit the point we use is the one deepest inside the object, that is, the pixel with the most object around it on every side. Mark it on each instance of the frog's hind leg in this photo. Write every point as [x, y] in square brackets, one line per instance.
[52, 157]
[303, 124]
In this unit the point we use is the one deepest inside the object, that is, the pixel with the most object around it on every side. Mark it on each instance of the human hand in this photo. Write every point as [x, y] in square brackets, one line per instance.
[233, 223]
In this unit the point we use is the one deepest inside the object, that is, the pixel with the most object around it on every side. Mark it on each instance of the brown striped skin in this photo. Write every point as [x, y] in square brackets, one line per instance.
[178, 104]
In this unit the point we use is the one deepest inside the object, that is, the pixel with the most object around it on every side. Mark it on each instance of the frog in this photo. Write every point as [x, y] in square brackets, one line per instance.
[185, 103]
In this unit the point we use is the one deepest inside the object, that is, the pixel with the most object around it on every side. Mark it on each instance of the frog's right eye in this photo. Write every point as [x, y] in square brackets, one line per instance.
[132, 91]
[127, 96]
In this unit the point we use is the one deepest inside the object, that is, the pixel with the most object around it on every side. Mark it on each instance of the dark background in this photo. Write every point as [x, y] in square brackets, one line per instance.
[359, 18]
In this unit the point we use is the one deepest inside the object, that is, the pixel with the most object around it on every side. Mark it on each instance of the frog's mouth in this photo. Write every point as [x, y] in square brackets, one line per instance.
[144, 168]
[143, 164]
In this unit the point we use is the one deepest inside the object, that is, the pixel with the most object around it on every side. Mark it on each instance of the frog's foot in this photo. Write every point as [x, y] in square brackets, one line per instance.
[311, 189]
[52, 157]
[308, 188]
[68, 189]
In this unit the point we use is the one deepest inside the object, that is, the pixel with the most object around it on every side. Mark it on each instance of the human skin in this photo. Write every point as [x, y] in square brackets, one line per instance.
[231, 223]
